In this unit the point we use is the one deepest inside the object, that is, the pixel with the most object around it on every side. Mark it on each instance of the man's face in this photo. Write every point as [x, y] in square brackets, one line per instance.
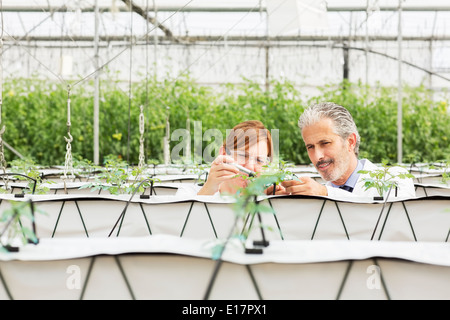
[332, 156]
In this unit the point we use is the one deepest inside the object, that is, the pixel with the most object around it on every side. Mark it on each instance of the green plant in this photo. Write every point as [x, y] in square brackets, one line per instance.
[374, 109]
[382, 179]
[28, 104]
[446, 176]
[153, 163]
[117, 177]
[246, 206]
[443, 165]
[201, 171]
[14, 230]
[113, 177]
[85, 167]
[29, 168]
[182, 162]
[139, 183]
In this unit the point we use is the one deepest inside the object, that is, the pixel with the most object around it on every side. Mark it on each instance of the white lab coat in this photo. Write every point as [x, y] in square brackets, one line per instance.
[405, 187]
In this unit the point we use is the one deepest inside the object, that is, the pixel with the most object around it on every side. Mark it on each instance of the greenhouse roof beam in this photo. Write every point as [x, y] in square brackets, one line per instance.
[144, 14]
[390, 8]
[196, 39]
[16, 8]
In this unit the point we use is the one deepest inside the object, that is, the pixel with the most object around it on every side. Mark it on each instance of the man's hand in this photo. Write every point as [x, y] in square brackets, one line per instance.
[278, 190]
[304, 186]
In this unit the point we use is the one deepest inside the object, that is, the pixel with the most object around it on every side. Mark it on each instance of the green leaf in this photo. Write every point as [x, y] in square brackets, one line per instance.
[263, 208]
[217, 251]
[29, 234]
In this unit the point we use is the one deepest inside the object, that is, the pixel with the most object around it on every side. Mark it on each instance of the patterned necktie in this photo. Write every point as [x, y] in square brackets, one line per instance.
[346, 188]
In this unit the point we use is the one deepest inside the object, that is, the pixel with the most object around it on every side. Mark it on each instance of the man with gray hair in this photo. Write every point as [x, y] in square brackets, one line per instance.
[332, 141]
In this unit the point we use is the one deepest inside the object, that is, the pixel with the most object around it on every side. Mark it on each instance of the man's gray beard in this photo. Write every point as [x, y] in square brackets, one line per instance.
[335, 174]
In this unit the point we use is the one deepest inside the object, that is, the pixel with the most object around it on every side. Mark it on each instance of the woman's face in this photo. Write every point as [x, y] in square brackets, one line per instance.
[254, 158]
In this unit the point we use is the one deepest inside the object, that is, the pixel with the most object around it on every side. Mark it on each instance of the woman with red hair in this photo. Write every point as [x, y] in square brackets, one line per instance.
[249, 144]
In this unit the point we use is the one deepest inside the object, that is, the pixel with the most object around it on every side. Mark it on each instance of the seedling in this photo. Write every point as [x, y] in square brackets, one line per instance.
[382, 179]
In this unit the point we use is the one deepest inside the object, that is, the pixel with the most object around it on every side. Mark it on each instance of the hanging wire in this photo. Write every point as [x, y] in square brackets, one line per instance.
[132, 43]
[221, 38]
[3, 163]
[68, 167]
[68, 160]
[146, 57]
[130, 55]
[141, 139]
[155, 41]
[166, 139]
[141, 115]
[68, 164]
[130, 85]
[25, 36]
[52, 12]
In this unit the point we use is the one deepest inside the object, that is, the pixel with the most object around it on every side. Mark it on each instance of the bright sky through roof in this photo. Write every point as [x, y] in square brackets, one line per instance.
[42, 22]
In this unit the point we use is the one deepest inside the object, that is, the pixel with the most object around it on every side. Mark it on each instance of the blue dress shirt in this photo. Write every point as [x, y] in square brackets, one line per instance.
[351, 181]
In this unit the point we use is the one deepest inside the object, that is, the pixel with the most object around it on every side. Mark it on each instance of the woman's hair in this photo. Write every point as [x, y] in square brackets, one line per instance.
[344, 125]
[246, 134]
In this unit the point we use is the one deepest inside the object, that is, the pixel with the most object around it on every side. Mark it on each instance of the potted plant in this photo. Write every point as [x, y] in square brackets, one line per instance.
[201, 170]
[115, 178]
[26, 169]
[153, 163]
[14, 232]
[85, 168]
[444, 166]
[382, 179]
[247, 207]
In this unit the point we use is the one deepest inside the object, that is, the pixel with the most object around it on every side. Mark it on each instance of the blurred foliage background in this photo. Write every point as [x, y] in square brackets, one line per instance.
[35, 115]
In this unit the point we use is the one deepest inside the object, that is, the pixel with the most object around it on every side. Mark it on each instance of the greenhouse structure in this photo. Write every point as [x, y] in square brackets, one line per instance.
[169, 150]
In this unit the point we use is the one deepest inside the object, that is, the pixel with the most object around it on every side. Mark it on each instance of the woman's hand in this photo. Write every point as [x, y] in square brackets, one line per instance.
[221, 171]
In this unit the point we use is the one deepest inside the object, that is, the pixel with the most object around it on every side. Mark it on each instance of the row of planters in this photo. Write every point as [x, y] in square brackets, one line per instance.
[81, 215]
[118, 177]
[40, 137]
[35, 115]
[115, 177]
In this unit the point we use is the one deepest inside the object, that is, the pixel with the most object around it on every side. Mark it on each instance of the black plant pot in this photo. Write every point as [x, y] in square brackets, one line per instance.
[11, 248]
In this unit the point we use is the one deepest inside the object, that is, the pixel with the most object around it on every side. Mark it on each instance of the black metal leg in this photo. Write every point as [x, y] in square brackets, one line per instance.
[384, 223]
[57, 219]
[82, 220]
[187, 218]
[342, 220]
[255, 285]
[344, 280]
[91, 266]
[210, 220]
[5, 286]
[317, 221]
[145, 217]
